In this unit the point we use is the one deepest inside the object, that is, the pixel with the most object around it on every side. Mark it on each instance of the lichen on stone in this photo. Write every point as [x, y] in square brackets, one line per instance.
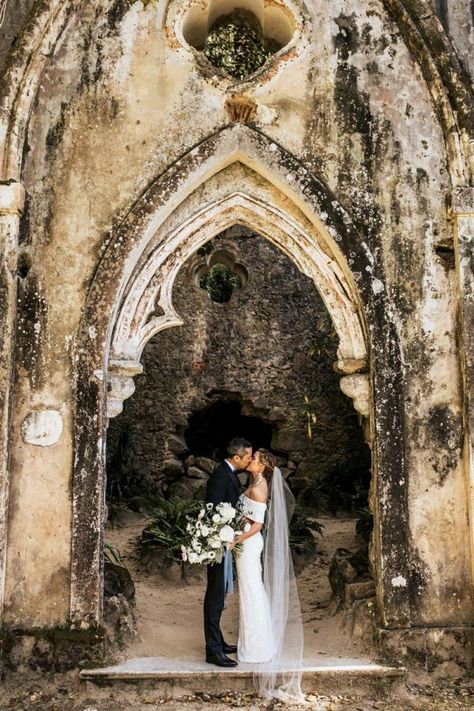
[236, 44]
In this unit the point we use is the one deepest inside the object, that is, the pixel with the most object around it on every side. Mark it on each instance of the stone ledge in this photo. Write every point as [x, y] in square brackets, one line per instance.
[163, 668]
[174, 678]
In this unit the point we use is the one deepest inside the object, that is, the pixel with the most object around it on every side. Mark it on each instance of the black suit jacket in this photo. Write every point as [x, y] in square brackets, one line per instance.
[223, 485]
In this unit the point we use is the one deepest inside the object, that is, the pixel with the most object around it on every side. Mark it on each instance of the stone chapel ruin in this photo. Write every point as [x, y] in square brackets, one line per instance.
[317, 159]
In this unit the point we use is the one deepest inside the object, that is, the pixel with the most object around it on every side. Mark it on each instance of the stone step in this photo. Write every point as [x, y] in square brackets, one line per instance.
[174, 678]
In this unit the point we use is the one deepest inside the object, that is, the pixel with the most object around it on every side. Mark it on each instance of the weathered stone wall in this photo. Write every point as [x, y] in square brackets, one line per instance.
[270, 346]
[121, 99]
[16, 12]
[457, 17]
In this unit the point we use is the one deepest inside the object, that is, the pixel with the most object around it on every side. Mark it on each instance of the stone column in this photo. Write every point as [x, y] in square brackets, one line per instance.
[12, 198]
[463, 216]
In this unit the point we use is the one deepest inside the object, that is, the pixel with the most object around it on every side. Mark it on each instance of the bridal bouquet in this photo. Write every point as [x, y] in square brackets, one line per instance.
[210, 534]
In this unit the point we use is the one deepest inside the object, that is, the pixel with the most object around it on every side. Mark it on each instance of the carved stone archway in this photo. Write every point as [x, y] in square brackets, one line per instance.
[236, 176]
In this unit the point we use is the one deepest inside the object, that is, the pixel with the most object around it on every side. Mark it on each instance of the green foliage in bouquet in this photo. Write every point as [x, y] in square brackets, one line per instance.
[166, 532]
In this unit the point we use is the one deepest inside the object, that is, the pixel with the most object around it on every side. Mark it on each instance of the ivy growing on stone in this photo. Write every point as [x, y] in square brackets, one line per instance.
[236, 44]
[220, 283]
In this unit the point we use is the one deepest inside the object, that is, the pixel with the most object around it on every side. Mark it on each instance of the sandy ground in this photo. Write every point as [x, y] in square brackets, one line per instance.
[170, 610]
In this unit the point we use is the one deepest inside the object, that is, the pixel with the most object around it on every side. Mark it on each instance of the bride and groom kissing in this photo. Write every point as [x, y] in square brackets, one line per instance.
[270, 625]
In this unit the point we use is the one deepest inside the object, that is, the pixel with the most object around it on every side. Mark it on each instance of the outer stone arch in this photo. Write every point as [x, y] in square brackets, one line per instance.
[152, 284]
[116, 279]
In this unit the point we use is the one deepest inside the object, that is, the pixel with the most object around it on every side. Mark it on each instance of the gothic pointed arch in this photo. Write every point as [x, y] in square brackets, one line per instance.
[237, 175]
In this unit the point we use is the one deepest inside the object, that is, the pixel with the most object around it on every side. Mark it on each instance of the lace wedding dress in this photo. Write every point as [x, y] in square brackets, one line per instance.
[255, 643]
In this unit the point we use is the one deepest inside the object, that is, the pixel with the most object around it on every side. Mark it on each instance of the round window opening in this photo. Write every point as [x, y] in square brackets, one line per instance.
[220, 283]
[237, 38]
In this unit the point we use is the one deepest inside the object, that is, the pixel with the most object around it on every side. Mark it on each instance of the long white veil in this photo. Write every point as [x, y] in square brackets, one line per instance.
[281, 677]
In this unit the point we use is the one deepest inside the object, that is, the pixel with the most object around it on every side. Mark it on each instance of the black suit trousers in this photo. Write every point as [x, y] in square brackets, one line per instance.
[213, 605]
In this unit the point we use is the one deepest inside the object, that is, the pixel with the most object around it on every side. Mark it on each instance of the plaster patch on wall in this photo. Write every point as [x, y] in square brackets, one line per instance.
[42, 428]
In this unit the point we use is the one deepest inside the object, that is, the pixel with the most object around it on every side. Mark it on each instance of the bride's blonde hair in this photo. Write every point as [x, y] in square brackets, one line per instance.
[269, 460]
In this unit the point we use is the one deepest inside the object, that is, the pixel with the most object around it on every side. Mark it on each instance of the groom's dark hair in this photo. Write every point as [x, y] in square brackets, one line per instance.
[237, 446]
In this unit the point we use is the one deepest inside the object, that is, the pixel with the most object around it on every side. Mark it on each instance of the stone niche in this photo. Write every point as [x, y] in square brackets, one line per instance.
[257, 362]
[234, 38]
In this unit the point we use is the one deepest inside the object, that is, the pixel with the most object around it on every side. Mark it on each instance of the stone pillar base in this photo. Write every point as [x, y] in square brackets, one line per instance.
[55, 650]
[448, 650]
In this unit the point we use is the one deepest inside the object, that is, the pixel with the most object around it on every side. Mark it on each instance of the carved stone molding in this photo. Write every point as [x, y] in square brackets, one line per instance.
[120, 384]
[357, 387]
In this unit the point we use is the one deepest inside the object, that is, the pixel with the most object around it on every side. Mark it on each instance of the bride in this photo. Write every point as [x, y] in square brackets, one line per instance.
[270, 626]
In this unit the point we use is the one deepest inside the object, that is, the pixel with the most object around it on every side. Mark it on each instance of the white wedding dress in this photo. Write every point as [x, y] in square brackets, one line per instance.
[255, 644]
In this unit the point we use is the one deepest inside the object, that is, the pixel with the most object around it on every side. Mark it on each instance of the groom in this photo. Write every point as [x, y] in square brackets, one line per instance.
[223, 485]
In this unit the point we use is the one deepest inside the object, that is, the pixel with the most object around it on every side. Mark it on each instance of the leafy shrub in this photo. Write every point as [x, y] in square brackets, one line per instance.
[161, 539]
[364, 524]
[302, 527]
[344, 487]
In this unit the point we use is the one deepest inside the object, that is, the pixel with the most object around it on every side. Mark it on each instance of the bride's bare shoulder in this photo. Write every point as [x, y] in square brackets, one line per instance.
[259, 493]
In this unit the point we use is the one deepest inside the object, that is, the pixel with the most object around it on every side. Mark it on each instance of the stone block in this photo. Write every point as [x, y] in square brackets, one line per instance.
[197, 473]
[173, 468]
[206, 464]
[117, 580]
[286, 440]
[359, 591]
[177, 444]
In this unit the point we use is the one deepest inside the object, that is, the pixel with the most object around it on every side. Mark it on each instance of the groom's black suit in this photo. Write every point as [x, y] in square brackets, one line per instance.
[223, 485]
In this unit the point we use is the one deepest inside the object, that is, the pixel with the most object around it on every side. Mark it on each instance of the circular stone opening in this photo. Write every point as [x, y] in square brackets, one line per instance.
[237, 38]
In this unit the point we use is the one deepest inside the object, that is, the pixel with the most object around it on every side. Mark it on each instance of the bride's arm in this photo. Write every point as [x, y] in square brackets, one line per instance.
[254, 528]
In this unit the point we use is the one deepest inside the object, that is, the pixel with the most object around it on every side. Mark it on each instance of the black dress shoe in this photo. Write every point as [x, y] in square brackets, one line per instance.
[229, 648]
[221, 660]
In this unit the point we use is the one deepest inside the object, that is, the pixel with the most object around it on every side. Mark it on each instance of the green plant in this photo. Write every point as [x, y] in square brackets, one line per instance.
[220, 283]
[343, 488]
[236, 45]
[163, 536]
[112, 555]
[310, 414]
[302, 530]
[364, 523]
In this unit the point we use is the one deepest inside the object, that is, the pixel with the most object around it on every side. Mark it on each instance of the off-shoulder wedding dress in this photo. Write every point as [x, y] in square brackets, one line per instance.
[255, 643]
[270, 624]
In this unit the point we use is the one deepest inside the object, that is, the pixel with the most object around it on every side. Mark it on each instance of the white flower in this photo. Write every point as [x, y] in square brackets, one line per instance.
[204, 531]
[184, 554]
[217, 518]
[226, 534]
[228, 513]
[188, 527]
[211, 555]
[214, 542]
[193, 557]
[209, 507]
[201, 514]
